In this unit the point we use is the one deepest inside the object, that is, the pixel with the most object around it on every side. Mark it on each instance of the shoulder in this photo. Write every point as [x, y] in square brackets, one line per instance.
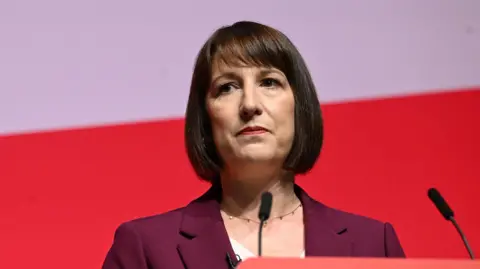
[354, 222]
[168, 226]
[369, 236]
[154, 225]
[340, 220]
[366, 232]
[137, 239]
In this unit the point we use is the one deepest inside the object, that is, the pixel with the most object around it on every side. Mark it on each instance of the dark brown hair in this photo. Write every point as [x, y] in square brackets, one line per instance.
[255, 44]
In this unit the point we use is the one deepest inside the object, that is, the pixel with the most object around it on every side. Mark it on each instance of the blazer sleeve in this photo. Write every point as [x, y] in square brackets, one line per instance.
[393, 248]
[126, 251]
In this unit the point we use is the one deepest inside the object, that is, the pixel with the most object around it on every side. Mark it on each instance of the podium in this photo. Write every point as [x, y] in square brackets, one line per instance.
[356, 263]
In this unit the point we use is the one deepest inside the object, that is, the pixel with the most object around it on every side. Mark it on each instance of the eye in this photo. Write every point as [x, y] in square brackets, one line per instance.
[270, 83]
[225, 88]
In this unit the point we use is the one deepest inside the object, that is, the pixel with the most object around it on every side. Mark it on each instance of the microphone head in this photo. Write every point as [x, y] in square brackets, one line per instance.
[265, 206]
[440, 203]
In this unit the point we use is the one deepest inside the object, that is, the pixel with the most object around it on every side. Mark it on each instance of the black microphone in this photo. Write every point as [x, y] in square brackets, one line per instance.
[263, 215]
[447, 213]
[233, 263]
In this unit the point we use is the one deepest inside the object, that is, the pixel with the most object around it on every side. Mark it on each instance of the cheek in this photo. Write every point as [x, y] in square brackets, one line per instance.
[287, 113]
[290, 123]
[220, 120]
[285, 120]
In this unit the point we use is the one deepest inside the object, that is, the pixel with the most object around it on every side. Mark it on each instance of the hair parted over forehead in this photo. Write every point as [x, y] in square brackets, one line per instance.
[248, 43]
[259, 46]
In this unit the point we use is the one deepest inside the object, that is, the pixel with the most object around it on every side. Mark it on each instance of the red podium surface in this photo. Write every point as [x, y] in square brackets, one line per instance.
[356, 263]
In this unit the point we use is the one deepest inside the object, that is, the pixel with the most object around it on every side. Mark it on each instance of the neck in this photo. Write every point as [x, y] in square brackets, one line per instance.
[241, 194]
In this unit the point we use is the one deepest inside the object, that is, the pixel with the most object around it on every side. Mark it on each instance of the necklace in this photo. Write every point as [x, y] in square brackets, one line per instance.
[291, 213]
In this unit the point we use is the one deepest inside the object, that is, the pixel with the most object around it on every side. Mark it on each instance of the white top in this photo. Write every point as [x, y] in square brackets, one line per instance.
[244, 253]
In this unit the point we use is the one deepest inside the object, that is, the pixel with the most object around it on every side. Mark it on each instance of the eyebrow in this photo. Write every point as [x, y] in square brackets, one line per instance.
[227, 75]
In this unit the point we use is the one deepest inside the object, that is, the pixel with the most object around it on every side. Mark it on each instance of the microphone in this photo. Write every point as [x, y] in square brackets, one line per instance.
[263, 215]
[233, 263]
[447, 213]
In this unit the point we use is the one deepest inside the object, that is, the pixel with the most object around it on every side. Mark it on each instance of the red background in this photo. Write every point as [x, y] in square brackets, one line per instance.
[63, 193]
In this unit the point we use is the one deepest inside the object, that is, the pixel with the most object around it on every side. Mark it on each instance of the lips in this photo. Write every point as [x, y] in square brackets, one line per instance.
[252, 130]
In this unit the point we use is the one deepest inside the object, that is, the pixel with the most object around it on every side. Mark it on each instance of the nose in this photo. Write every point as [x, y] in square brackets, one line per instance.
[250, 106]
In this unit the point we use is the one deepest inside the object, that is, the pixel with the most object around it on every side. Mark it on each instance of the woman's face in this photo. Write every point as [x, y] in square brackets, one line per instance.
[252, 113]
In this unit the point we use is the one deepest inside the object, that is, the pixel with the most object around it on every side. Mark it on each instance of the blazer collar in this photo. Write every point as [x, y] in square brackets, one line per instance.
[325, 234]
[206, 243]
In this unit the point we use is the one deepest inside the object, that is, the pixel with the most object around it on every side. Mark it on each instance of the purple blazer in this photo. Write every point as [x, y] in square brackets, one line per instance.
[194, 236]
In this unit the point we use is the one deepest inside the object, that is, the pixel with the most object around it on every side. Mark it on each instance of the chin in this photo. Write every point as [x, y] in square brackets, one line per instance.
[257, 155]
[258, 158]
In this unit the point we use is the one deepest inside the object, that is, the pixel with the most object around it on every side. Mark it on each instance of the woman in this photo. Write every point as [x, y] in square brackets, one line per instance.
[253, 122]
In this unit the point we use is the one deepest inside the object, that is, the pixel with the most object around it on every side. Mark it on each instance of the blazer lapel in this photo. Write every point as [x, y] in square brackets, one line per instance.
[206, 242]
[323, 235]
